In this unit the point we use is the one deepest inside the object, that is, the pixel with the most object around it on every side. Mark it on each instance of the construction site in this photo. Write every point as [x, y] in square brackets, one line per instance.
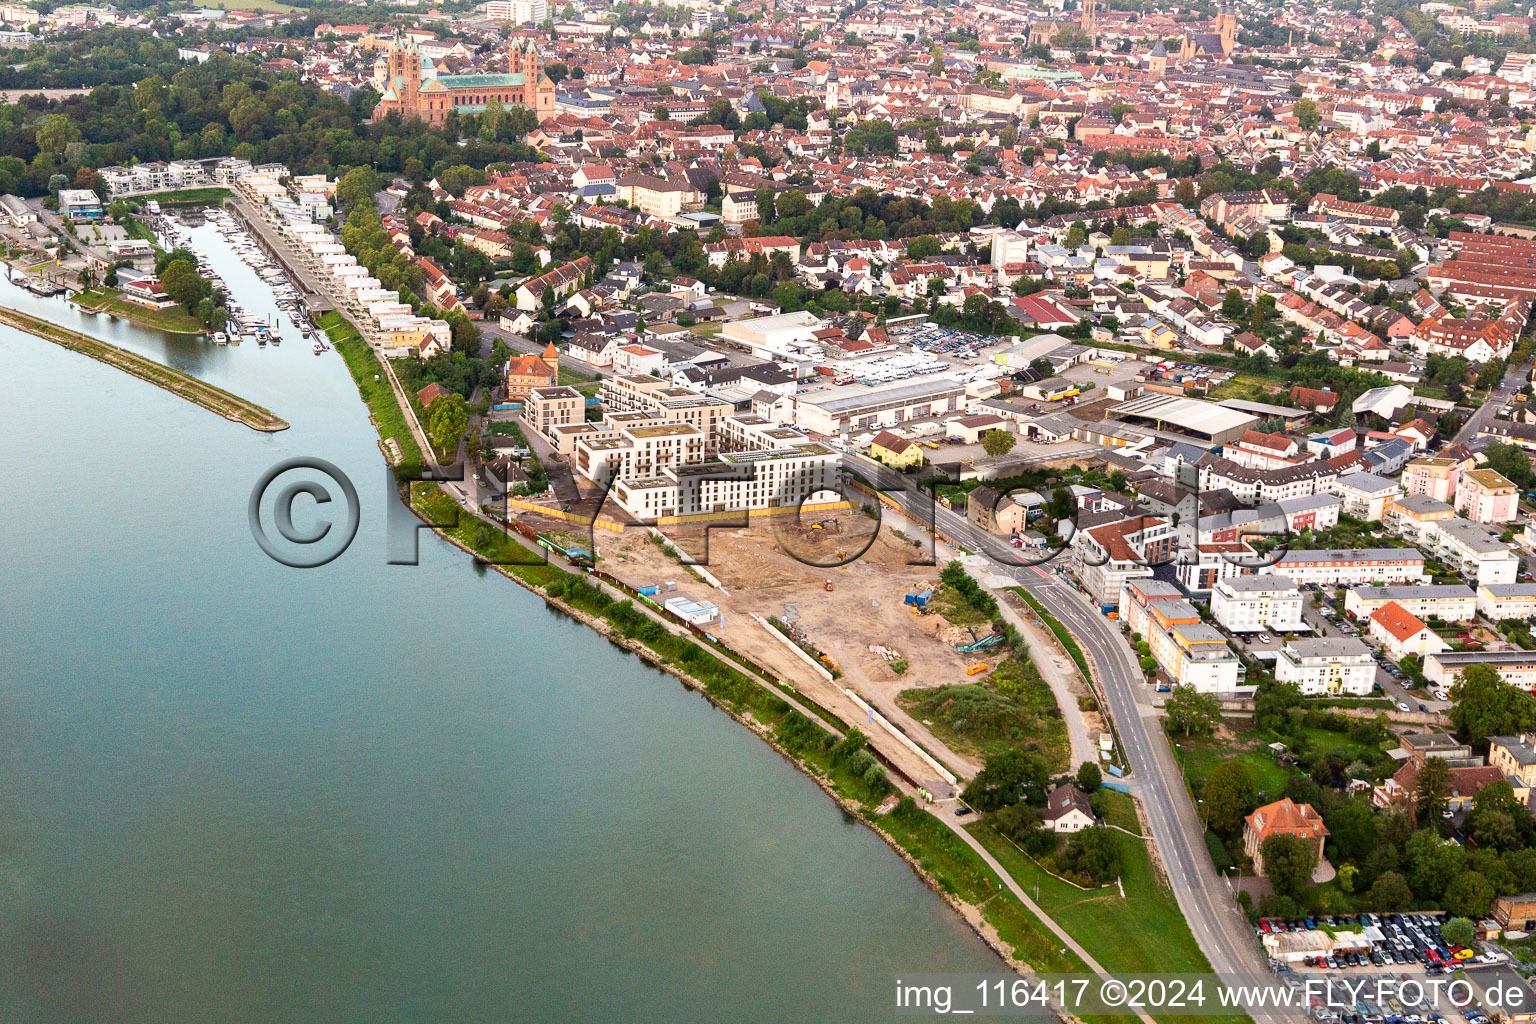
[830, 603]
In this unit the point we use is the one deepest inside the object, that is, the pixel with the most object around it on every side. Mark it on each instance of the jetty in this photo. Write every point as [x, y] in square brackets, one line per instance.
[200, 392]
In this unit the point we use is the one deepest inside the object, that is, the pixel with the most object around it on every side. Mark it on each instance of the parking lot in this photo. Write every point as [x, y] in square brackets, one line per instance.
[1372, 944]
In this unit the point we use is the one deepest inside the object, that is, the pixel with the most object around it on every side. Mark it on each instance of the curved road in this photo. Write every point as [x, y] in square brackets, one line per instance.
[1203, 896]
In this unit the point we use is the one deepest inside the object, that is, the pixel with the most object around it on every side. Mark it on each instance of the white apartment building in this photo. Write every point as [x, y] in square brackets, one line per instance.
[156, 176]
[1255, 603]
[1450, 603]
[1350, 566]
[1110, 556]
[1507, 600]
[518, 12]
[1517, 668]
[1327, 666]
[1473, 550]
[738, 482]
[639, 452]
[1365, 496]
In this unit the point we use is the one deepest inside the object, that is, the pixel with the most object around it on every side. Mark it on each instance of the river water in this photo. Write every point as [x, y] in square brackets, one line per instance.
[233, 792]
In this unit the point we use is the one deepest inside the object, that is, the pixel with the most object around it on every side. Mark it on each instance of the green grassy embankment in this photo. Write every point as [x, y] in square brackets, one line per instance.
[373, 385]
[174, 319]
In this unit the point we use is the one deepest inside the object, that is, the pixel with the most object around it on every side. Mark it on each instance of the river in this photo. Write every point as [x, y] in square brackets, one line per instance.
[234, 792]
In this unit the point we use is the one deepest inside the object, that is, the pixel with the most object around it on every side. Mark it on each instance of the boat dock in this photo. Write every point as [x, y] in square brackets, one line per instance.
[263, 234]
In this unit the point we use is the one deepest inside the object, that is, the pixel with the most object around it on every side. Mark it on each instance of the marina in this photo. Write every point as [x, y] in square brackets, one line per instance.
[244, 324]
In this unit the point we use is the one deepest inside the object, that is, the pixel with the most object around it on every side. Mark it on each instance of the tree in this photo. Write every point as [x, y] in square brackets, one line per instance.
[1232, 306]
[1191, 711]
[998, 442]
[1229, 795]
[181, 283]
[446, 420]
[1511, 461]
[1041, 367]
[1459, 931]
[1060, 504]
[1432, 863]
[1468, 895]
[1390, 892]
[54, 134]
[922, 247]
[1433, 787]
[1288, 863]
[1487, 706]
[1005, 779]
[1272, 704]
[1093, 852]
[1352, 830]
[1306, 114]
[1089, 779]
[660, 113]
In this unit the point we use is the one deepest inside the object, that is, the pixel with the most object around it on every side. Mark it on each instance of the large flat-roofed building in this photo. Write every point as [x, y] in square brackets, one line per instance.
[1473, 550]
[774, 337]
[1327, 666]
[859, 408]
[643, 392]
[1517, 668]
[1486, 496]
[547, 408]
[641, 450]
[744, 481]
[1259, 602]
[1500, 601]
[1350, 566]
[1187, 416]
[79, 204]
[1452, 603]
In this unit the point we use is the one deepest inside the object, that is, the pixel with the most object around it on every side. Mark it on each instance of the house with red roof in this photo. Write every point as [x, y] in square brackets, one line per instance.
[1283, 817]
[1401, 632]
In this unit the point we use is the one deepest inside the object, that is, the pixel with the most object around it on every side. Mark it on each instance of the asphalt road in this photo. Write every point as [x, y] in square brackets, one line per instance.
[1203, 896]
[1513, 381]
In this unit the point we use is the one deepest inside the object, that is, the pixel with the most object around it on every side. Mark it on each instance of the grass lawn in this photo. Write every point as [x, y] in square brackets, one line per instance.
[976, 719]
[573, 377]
[1244, 387]
[1143, 932]
[253, 5]
[707, 330]
[385, 411]
[109, 300]
[944, 855]
[1199, 756]
[200, 196]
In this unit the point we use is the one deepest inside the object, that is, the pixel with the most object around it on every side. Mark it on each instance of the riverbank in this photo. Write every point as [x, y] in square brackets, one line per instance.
[943, 862]
[174, 320]
[199, 392]
[939, 857]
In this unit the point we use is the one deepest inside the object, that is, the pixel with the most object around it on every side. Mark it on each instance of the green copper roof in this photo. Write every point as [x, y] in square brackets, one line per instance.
[480, 81]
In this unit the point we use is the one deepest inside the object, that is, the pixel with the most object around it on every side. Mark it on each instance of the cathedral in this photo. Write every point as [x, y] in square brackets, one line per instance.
[1044, 33]
[1217, 45]
[412, 87]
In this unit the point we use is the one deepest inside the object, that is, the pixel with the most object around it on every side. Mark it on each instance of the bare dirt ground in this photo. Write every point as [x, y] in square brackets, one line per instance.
[865, 608]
